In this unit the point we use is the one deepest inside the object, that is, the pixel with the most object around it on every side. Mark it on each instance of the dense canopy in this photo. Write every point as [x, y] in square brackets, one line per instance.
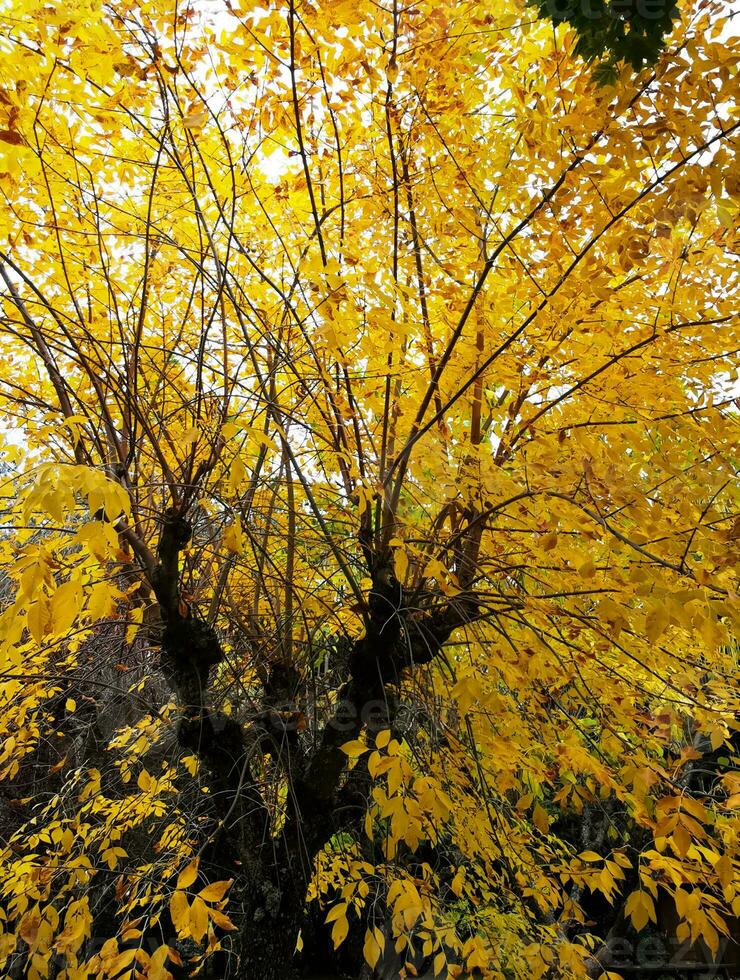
[368, 445]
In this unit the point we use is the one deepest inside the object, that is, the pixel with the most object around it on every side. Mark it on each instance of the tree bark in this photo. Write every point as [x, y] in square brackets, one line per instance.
[267, 899]
[273, 916]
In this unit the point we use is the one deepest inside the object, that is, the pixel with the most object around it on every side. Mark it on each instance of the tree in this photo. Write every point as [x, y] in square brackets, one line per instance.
[369, 450]
[618, 31]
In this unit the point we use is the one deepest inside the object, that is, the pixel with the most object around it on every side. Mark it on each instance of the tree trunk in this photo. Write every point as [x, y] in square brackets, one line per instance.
[270, 931]
[274, 871]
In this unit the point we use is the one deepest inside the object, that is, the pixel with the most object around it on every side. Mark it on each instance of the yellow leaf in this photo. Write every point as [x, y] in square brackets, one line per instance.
[101, 601]
[724, 870]
[233, 539]
[587, 569]
[65, 606]
[237, 474]
[641, 908]
[29, 926]
[156, 968]
[33, 578]
[38, 620]
[373, 946]
[540, 818]
[188, 875]
[198, 919]
[136, 618]
[401, 562]
[120, 962]
[710, 936]
[219, 919]
[196, 119]
[456, 885]
[339, 932]
[549, 540]
[145, 782]
[656, 621]
[681, 839]
[337, 912]
[716, 737]
[180, 912]
[354, 749]
[215, 891]
[383, 738]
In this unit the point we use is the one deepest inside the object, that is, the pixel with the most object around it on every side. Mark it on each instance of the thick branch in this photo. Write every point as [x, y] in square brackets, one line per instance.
[190, 648]
[373, 663]
[392, 644]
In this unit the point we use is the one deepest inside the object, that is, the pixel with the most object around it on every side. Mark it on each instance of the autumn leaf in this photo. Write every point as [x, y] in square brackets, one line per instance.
[11, 136]
[339, 932]
[198, 919]
[215, 891]
[368, 478]
[373, 946]
[180, 912]
[641, 909]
